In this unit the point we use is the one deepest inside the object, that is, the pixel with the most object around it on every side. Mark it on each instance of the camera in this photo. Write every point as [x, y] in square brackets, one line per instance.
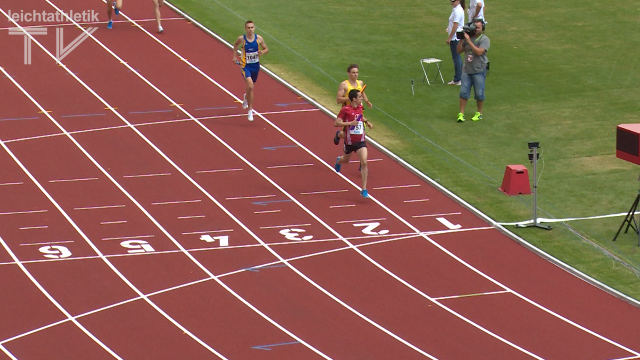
[469, 28]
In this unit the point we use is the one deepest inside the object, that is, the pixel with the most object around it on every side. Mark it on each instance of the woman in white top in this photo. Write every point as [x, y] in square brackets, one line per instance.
[476, 10]
[456, 21]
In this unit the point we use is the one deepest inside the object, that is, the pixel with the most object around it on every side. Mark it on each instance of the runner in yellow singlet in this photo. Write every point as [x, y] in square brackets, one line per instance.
[343, 94]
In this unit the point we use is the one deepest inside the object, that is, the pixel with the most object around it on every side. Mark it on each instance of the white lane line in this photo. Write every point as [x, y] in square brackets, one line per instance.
[128, 237]
[416, 200]
[99, 207]
[266, 211]
[357, 221]
[206, 232]
[23, 212]
[34, 227]
[48, 243]
[288, 166]
[432, 215]
[190, 217]
[472, 295]
[341, 206]
[12, 183]
[145, 175]
[175, 202]
[72, 180]
[284, 226]
[216, 171]
[323, 192]
[113, 222]
[10, 355]
[90, 23]
[396, 187]
[249, 197]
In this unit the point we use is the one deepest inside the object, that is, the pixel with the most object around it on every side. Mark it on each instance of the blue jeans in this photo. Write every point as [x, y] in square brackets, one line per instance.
[477, 80]
[457, 60]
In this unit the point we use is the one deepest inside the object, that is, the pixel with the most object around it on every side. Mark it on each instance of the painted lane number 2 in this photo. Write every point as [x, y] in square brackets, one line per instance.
[369, 228]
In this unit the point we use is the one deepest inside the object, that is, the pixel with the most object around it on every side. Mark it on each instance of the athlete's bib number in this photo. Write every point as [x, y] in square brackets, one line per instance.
[358, 129]
[252, 57]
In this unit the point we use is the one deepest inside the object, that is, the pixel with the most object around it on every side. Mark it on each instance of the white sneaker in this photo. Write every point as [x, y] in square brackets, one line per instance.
[244, 102]
[160, 29]
[250, 115]
[454, 83]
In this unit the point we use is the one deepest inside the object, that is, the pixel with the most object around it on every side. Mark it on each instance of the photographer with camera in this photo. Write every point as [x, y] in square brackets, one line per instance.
[474, 44]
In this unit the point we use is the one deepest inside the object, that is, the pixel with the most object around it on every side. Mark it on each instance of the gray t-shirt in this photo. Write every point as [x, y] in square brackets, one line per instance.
[474, 64]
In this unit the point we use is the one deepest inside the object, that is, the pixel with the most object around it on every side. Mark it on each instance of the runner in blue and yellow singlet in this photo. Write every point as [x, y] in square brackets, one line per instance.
[252, 47]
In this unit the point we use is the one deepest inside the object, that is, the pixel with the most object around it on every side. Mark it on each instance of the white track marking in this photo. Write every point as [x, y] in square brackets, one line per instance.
[283, 226]
[432, 215]
[33, 227]
[128, 237]
[190, 217]
[99, 207]
[341, 206]
[359, 220]
[206, 232]
[417, 200]
[11, 183]
[23, 212]
[51, 299]
[113, 222]
[266, 212]
[395, 187]
[471, 295]
[216, 171]
[323, 192]
[330, 166]
[47, 243]
[249, 197]
[176, 202]
[10, 355]
[145, 175]
[288, 166]
[72, 180]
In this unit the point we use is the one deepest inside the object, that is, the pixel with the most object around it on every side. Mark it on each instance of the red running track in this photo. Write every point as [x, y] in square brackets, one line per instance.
[143, 217]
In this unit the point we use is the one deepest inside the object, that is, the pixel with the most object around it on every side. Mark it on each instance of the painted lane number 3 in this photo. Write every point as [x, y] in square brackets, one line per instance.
[294, 234]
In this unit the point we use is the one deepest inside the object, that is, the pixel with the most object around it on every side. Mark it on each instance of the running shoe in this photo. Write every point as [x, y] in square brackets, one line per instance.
[110, 25]
[452, 82]
[160, 29]
[477, 116]
[461, 117]
[336, 139]
[338, 166]
[244, 102]
[115, 9]
[250, 115]
[364, 194]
